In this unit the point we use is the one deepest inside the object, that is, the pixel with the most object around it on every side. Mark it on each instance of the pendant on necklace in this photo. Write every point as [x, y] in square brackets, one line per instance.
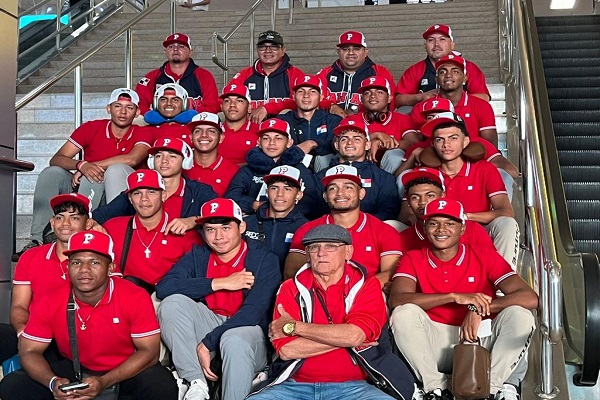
[147, 252]
[83, 327]
[64, 277]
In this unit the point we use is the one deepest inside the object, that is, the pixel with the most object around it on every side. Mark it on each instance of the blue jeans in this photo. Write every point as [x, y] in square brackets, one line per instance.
[322, 391]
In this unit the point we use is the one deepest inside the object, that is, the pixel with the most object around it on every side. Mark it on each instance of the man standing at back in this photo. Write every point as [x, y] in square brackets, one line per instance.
[181, 69]
[344, 76]
[418, 82]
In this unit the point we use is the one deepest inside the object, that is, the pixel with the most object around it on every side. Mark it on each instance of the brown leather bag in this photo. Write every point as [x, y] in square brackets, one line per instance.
[471, 371]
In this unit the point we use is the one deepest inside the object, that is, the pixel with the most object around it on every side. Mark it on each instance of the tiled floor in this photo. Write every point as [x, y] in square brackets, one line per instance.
[579, 392]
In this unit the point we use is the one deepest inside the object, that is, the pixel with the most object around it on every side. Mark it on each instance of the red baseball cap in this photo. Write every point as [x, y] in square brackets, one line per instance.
[174, 144]
[284, 171]
[423, 172]
[354, 123]
[274, 125]
[234, 89]
[354, 38]
[376, 82]
[453, 59]
[178, 38]
[308, 80]
[443, 29]
[219, 208]
[206, 118]
[441, 118]
[445, 207]
[341, 171]
[435, 105]
[98, 242]
[145, 178]
[72, 198]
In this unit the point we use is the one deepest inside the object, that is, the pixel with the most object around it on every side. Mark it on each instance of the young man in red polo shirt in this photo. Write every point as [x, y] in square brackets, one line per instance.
[183, 196]
[218, 297]
[111, 148]
[210, 167]
[418, 82]
[478, 185]
[446, 292]
[152, 249]
[376, 244]
[42, 269]
[170, 113]
[115, 326]
[240, 134]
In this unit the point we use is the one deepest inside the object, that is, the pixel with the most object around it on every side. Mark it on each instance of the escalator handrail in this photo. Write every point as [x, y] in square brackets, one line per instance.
[48, 83]
[16, 165]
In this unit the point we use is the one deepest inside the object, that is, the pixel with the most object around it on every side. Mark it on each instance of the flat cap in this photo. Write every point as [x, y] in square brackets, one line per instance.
[327, 233]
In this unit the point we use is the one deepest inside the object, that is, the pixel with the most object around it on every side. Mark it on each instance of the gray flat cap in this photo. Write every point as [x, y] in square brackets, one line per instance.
[327, 233]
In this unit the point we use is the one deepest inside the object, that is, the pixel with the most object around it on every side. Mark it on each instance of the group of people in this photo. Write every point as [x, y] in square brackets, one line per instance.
[275, 253]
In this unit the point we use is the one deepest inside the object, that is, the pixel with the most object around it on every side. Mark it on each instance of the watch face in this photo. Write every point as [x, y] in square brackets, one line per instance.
[288, 328]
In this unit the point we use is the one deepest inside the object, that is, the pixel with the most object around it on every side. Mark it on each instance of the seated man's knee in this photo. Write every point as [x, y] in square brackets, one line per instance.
[170, 305]
[404, 315]
[117, 171]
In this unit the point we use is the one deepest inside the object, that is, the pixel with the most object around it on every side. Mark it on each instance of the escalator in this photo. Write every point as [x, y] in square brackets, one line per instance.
[571, 57]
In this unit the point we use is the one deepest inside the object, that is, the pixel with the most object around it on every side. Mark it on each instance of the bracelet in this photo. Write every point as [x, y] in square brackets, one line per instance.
[51, 384]
[80, 164]
[473, 307]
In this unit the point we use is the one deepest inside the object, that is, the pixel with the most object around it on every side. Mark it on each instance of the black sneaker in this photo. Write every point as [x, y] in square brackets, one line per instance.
[439, 394]
[30, 245]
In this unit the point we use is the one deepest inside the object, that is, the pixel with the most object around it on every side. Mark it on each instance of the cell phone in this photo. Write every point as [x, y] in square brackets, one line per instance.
[73, 385]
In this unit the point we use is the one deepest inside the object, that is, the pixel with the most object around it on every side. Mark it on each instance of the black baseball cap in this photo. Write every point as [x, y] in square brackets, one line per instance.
[270, 36]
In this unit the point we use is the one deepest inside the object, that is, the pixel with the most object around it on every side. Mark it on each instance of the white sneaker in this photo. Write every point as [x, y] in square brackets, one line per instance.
[198, 391]
[508, 392]
[181, 385]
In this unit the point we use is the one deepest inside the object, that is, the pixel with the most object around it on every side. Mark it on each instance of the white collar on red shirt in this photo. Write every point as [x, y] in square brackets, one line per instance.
[239, 258]
[464, 100]
[329, 220]
[109, 134]
[459, 257]
[419, 234]
[165, 218]
[105, 299]
[182, 184]
[50, 251]
[213, 166]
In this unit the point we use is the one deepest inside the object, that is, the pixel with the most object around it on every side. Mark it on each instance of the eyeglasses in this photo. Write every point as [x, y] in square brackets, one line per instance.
[328, 247]
[272, 47]
[176, 46]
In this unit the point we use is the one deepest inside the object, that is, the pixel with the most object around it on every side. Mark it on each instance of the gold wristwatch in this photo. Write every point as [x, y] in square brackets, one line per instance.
[289, 328]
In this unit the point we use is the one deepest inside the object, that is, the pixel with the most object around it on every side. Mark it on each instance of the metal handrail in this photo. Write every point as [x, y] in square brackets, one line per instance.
[76, 64]
[225, 39]
[533, 116]
[33, 8]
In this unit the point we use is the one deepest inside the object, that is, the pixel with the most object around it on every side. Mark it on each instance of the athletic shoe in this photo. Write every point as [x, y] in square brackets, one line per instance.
[30, 245]
[198, 391]
[508, 392]
[439, 394]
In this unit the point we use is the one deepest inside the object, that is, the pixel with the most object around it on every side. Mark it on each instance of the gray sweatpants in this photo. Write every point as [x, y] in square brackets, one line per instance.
[184, 323]
[428, 345]
[53, 181]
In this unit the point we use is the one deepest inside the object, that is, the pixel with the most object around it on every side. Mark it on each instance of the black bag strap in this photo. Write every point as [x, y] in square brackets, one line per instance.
[126, 243]
[261, 228]
[71, 309]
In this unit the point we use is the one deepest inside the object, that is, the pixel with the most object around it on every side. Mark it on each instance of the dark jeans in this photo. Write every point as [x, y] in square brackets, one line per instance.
[154, 383]
[8, 342]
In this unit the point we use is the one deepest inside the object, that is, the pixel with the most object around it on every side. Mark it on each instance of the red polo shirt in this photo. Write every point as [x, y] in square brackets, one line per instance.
[474, 185]
[41, 269]
[477, 113]
[96, 140]
[471, 270]
[236, 144]
[371, 239]
[218, 174]
[163, 250]
[174, 202]
[226, 302]
[173, 130]
[395, 125]
[367, 311]
[475, 235]
[124, 313]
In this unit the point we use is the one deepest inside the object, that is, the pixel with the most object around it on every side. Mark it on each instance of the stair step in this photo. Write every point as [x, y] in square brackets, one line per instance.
[575, 104]
[571, 53]
[579, 157]
[576, 128]
[576, 116]
[582, 191]
[585, 229]
[569, 62]
[576, 92]
[584, 209]
[566, 45]
[572, 20]
[587, 246]
[575, 29]
[581, 73]
[578, 142]
[579, 173]
[557, 82]
[556, 37]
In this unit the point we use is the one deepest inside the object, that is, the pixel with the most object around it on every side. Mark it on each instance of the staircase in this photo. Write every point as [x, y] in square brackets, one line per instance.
[393, 34]
[571, 57]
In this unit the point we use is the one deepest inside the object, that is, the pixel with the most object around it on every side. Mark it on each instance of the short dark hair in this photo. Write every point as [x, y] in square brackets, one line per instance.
[220, 221]
[280, 179]
[70, 206]
[459, 125]
[422, 181]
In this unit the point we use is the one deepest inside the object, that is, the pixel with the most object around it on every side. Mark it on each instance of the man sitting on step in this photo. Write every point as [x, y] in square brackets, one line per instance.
[111, 149]
[181, 69]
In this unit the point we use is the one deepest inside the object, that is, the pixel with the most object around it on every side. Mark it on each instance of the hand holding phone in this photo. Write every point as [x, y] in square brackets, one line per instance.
[73, 386]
